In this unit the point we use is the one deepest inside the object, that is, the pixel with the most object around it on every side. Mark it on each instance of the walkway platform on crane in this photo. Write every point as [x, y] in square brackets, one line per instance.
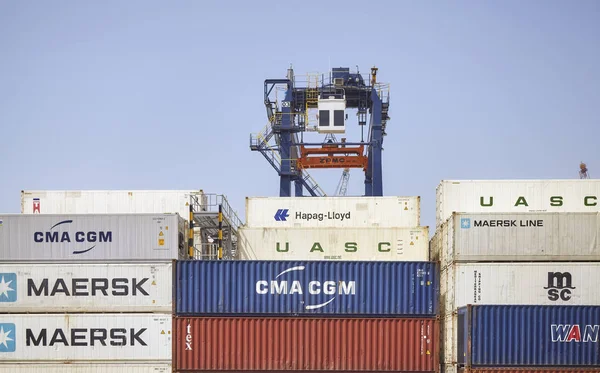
[206, 217]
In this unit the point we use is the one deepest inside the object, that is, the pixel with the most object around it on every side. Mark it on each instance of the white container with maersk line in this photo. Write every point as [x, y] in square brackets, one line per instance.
[332, 212]
[98, 237]
[85, 368]
[371, 244]
[505, 237]
[475, 196]
[543, 283]
[86, 287]
[86, 337]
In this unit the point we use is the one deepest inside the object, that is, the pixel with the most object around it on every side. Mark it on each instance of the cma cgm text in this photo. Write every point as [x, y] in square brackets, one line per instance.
[314, 287]
[78, 237]
[332, 215]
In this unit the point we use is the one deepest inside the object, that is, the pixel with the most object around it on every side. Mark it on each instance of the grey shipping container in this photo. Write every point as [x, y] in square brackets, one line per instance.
[92, 237]
[508, 237]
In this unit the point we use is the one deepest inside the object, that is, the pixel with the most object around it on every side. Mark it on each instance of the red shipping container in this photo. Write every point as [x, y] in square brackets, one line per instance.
[309, 344]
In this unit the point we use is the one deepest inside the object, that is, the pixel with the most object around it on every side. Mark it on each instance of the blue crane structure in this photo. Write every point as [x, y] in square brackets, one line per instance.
[281, 142]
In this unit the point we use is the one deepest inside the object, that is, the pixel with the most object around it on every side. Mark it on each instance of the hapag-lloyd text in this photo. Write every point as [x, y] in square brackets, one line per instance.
[332, 215]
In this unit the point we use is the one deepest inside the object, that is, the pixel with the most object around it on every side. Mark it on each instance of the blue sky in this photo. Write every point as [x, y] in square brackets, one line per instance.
[157, 95]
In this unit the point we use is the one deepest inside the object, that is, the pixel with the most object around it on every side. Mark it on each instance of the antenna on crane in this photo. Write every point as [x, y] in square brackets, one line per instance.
[583, 171]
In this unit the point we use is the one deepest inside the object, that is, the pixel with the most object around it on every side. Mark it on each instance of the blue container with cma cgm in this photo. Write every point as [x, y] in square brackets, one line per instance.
[542, 336]
[305, 288]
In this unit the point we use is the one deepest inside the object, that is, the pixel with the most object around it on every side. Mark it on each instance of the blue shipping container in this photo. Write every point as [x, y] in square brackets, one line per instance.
[508, 336]
[305, 288]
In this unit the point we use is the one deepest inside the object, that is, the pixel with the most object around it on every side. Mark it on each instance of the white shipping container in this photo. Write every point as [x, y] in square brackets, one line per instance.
[85, 368]
[548, 283]
[98, 237]
[86, 337]
[372, 244]
[448, 336]
[336, 212]
[475, 196]
[68, 287]
[503, 237]
[109, 201]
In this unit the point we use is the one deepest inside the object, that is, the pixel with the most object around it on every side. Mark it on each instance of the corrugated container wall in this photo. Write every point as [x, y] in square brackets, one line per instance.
[326, 344]
[86, 337]
[97, 237]
[85, 368]
[327, 212]
[504, 237]
[520, 283]
[64, 287]
[475, 196]
[497, 336]
[304, 288]
[109, 201]
[374, 244]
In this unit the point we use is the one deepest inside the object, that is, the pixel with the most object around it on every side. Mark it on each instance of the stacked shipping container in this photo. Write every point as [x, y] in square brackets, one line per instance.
[518, 263]
[306, 316]
[87, 292]
[334, 228]
[115, 202]
[87, 285]
[305, 298]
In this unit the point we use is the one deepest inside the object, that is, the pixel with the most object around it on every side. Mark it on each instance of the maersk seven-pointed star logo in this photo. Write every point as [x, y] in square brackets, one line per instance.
[465, 223]
[8, 287]
[7, 337]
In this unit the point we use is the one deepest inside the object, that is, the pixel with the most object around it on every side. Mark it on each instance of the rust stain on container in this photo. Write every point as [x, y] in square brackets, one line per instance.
[323, 344]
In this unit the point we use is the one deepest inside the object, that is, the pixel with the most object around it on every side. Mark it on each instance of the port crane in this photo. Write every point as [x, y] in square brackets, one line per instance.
[317, 104]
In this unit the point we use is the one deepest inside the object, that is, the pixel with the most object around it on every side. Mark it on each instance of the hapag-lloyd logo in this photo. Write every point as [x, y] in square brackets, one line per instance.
[315, 287]
[89, 237]
[283, 214]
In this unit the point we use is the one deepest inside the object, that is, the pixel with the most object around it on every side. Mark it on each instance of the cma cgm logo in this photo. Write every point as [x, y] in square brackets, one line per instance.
[54, 235]
[7, 337]
[574, 333]
[8, 287]
[283, 287]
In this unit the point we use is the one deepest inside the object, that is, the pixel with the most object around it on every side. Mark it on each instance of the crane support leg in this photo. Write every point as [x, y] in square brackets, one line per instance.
[374, 175]
[285, 146]
[298, 187]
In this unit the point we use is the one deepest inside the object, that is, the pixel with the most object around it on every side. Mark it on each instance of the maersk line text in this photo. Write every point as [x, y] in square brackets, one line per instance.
[508, 223]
